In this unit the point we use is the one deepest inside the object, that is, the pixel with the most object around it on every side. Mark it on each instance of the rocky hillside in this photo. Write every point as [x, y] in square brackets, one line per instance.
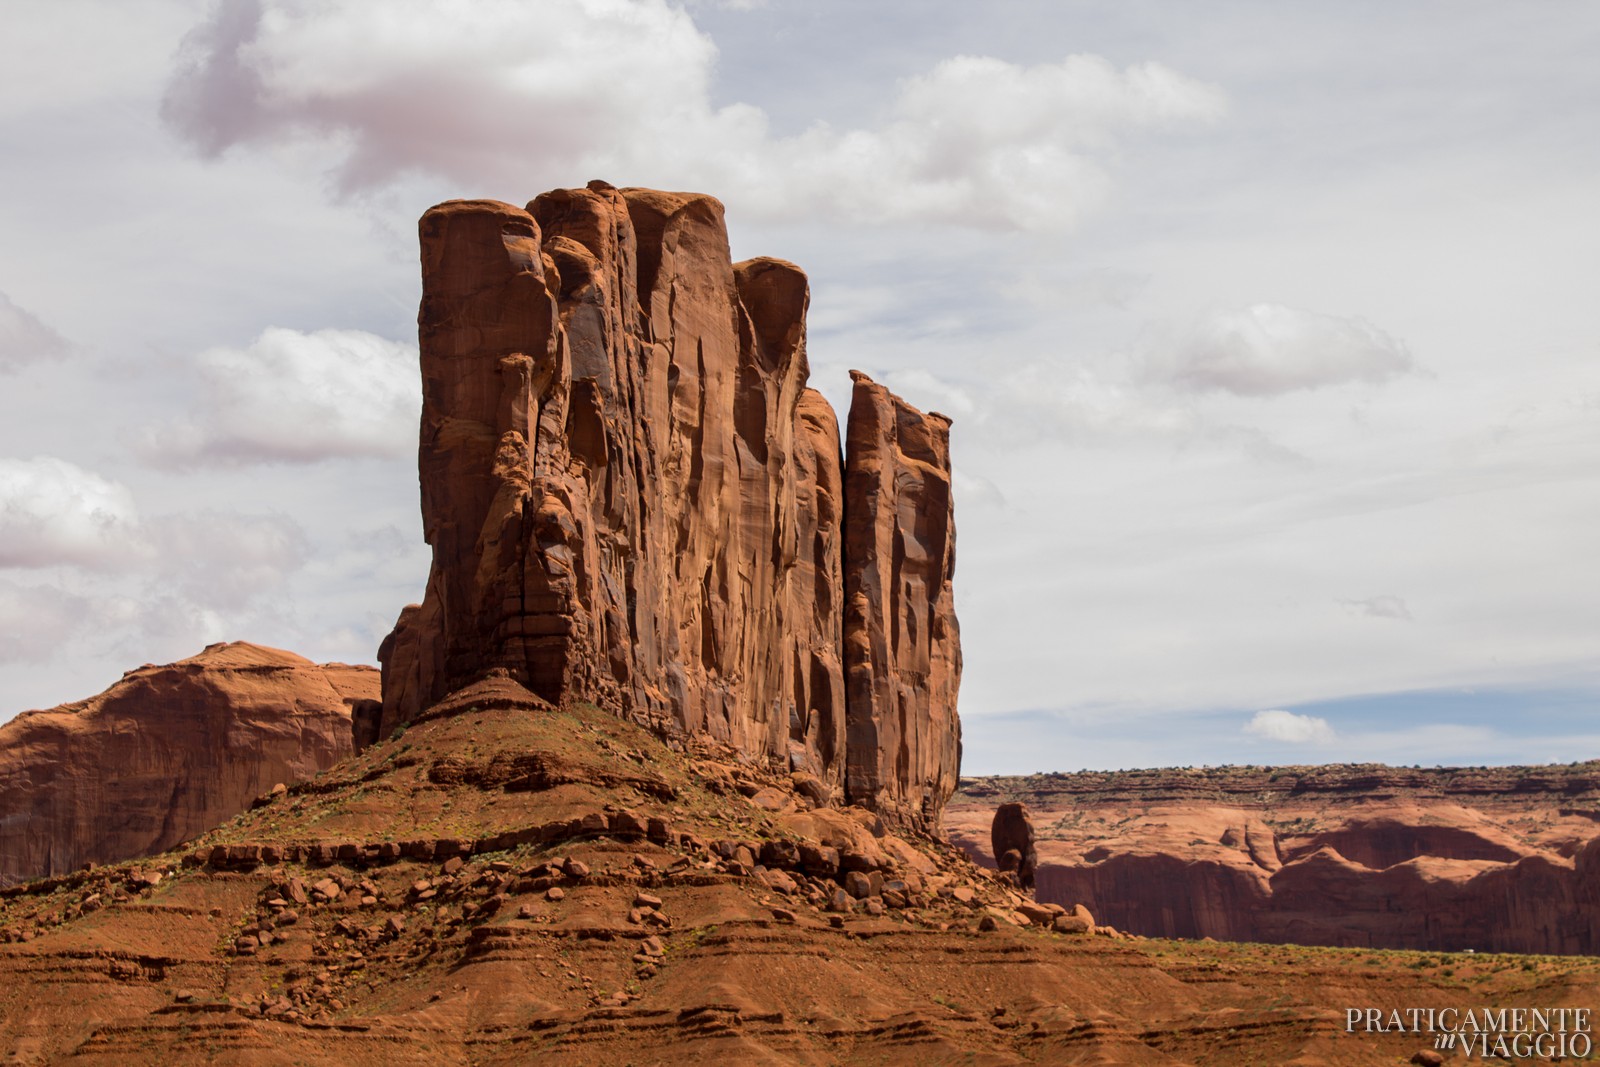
[507, 882]
[167, 753]
[1489, 858]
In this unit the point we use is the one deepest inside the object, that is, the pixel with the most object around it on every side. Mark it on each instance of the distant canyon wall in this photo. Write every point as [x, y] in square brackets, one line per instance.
[1500, 859]
[633, 499]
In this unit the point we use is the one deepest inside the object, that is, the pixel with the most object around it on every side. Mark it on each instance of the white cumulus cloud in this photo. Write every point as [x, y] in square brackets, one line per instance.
[1290, 728]
[292, 397]
[521, 95]
[53, 512]
[1269, 349]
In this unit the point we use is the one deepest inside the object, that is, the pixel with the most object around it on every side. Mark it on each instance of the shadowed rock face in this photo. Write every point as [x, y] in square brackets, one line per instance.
[634, 500]
[1012, 839]
[167, 753]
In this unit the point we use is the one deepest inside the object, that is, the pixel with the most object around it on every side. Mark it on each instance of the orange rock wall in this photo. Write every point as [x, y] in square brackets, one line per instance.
[1502, 859]
[902, 647]
[167, 753]
[633, 499]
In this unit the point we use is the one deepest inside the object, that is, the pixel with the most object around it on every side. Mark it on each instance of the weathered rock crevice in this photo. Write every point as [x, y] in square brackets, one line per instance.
[633, 499]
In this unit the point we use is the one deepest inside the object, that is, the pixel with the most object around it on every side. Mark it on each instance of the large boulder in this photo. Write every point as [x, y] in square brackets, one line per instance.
[1011, 834]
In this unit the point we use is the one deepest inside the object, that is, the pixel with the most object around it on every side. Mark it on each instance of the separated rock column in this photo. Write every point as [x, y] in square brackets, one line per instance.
[902, 646]
[493, 371]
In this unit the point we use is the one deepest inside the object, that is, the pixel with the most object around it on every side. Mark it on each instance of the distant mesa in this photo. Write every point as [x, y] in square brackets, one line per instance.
[1498, 859]
[168, 753]
[634, 500]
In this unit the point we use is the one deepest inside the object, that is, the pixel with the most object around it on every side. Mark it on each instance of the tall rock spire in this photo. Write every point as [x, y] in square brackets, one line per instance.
[633, 499]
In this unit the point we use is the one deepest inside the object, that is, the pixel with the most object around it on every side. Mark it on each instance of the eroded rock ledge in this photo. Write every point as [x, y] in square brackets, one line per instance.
[633, 499]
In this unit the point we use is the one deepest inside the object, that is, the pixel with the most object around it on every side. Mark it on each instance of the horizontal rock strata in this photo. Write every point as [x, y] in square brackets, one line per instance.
[1502, 859]
[634, 500]
[416, 906]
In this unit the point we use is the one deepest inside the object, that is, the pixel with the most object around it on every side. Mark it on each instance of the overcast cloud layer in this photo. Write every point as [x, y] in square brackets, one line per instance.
[472, 92]
[1269, 331]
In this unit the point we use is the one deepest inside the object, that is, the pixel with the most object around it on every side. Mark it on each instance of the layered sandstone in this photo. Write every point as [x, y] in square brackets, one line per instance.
[634, 500]
[1494, 859]
[167, 753]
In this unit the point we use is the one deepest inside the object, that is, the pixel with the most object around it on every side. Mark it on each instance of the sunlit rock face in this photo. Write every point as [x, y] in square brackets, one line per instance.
[167, 753]
[1502, 859]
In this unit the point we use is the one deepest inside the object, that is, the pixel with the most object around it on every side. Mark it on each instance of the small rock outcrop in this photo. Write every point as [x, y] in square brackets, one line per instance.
[1012, 839]
[634, 500]
[167, 753]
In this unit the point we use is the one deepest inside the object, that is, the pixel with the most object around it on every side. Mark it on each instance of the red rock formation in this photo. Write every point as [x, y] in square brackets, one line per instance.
[1012, 839]
[1495, 859]
[567, 882]
[167, 753]
[902, 648]
[819, 540]
[633, 499]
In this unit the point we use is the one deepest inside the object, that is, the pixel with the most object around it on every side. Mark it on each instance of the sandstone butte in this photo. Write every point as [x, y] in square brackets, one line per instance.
[634, 500]
[660, 748]
[1499, 859]
[167, 753]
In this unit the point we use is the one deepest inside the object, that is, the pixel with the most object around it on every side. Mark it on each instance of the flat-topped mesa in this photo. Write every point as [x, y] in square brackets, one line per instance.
[634, 500]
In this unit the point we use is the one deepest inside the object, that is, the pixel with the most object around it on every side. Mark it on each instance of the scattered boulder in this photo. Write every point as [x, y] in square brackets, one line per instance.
[1071, 924]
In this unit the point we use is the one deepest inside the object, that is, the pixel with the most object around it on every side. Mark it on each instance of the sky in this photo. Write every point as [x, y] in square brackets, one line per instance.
[1269, 330]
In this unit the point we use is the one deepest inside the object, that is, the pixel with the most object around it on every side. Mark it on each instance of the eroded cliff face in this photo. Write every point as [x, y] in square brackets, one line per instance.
[1500, 859]
[633, 499]
[902, 647]
[167, 753]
